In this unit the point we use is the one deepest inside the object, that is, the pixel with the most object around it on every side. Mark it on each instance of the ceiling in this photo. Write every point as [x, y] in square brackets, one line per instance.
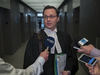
[38, 5]
[5, 3]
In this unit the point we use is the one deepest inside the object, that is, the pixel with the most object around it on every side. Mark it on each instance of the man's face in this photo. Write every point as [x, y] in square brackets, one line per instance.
[50, 19]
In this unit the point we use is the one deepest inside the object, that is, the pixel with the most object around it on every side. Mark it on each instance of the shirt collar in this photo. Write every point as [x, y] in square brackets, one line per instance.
[50, 31]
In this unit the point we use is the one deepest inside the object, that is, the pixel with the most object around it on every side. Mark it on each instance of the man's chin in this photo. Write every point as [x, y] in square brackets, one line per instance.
[49, 27]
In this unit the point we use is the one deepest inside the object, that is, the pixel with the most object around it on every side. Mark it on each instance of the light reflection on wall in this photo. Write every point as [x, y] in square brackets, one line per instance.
[26, 18]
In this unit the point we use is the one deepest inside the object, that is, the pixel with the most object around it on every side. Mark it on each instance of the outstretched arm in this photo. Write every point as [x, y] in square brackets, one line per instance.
[90, 50]
[34, 69]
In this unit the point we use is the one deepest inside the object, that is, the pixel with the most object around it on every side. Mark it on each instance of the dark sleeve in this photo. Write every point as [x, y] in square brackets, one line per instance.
[72, 62]
[31, 51]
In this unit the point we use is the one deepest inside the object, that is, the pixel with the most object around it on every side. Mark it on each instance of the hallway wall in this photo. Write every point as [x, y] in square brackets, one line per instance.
[1, 36]
[63, 20]
[90, 20]
[32, 14]
[15, 26]
[70, 18]
[7, 31]
[10, 27]
[76, 21]
[66, 18]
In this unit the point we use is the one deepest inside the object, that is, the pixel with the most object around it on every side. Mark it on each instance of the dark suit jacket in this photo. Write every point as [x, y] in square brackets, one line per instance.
[32, 52]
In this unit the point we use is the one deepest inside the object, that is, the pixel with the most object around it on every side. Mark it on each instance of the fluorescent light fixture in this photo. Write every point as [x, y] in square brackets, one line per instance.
[39, 14]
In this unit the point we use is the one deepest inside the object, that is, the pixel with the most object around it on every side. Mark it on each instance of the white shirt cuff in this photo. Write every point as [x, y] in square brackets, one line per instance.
[41, 60]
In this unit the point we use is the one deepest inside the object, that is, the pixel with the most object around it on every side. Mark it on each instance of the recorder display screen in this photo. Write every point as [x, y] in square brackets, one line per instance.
[87, 59]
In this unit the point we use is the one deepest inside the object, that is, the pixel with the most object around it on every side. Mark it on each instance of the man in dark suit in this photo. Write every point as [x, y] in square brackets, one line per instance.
[62, 45]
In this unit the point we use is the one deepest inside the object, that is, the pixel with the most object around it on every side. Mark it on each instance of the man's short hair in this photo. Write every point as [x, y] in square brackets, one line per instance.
[51, 7]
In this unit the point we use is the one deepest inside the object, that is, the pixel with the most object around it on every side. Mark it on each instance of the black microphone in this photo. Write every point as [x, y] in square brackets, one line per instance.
[78, 42]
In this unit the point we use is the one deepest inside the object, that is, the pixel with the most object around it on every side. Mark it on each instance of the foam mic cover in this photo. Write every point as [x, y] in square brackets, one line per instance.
[49, 42]
[75, 41]
[78, 41]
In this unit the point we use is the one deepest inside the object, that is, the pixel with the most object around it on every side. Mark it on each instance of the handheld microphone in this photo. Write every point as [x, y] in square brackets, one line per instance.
[49, 42]
[78, 41]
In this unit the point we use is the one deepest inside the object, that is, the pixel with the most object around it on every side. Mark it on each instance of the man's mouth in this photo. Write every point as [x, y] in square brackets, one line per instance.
[49, 23]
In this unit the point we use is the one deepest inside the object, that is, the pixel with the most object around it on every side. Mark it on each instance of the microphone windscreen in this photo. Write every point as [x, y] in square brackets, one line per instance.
[49, 42]
[75, 41]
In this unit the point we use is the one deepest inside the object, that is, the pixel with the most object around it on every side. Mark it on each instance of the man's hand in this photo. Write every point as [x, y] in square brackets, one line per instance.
[94, 70]
[45, 55]
[65, 72]
[86, 49]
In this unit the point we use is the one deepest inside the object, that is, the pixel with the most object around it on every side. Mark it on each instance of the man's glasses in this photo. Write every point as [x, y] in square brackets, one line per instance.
[51, 17]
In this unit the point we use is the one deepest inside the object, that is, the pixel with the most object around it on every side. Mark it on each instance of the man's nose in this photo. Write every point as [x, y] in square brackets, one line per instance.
[48, 19]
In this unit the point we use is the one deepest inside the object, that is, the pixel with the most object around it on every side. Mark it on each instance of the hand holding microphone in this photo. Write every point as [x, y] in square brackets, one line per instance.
[89, 49]
[82, 45]
[94, 70]
[78, 42]
[86, 49]
[49, 42]
[44, 54]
